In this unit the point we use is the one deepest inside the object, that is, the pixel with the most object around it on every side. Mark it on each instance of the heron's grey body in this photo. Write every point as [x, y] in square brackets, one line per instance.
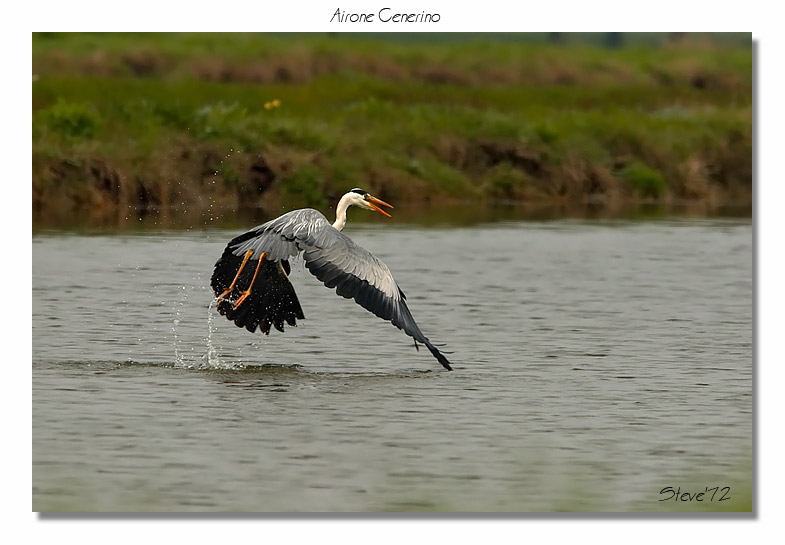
[337, 261]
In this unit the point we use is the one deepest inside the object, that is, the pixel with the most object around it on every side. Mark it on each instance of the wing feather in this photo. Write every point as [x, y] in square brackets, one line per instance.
[283, 237]
[356, 273]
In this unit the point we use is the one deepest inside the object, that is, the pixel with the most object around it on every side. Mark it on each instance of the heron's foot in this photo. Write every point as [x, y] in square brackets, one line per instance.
[243, 296]
[229, 290]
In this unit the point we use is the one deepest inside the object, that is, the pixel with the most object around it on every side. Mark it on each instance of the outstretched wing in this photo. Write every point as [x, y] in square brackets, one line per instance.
[356, 273]
[284, 236]
[258, 294]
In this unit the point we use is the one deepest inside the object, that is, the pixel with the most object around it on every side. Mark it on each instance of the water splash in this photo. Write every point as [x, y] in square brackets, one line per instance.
[192, 355]
[194, 350]
[178, 355]
[211, 358]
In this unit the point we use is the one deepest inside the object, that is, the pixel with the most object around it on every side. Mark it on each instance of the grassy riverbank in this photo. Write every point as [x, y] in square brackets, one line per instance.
[262, 120]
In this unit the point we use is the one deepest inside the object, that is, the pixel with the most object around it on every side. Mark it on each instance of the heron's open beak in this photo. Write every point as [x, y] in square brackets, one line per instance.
[373, 201]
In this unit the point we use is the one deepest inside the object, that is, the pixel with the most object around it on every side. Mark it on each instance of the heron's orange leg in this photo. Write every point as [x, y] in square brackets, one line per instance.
[244, 294]
[228, 290]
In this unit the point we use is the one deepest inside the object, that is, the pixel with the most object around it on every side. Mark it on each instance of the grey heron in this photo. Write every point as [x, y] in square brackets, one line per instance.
[258, 260]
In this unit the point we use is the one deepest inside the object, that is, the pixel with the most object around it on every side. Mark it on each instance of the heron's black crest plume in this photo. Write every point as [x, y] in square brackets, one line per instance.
[359, 191]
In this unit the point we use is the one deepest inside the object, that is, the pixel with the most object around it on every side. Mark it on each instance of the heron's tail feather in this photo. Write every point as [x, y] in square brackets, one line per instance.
[272, 300]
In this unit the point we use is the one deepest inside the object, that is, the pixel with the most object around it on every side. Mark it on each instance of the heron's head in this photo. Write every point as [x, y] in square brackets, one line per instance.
[363, 199]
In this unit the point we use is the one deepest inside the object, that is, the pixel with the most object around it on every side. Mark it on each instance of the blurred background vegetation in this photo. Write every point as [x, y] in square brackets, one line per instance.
[281, 120]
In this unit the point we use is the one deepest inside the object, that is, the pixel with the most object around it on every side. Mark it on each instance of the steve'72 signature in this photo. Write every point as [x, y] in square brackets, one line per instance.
[675, 494]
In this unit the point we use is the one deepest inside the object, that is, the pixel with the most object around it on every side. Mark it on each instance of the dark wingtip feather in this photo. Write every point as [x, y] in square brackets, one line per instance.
[439, 356]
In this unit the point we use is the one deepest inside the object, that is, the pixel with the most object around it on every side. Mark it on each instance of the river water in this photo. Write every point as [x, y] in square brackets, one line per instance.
[596, 363]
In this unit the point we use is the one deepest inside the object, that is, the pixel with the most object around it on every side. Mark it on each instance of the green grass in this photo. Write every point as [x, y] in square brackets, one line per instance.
[186, 115]
[647, 181]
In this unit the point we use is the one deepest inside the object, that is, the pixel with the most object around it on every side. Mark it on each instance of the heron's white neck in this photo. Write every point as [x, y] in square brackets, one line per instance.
[340, 211]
